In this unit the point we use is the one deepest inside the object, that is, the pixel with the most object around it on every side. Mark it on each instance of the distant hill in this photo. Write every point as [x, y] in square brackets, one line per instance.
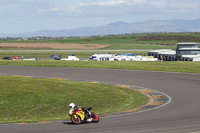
[178, 25]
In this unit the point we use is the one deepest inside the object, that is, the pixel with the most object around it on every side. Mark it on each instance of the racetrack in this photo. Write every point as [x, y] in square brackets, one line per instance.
[181, 115]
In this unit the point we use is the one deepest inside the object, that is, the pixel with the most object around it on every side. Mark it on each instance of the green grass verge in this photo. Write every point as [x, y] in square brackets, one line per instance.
[25, 99]
[171, 66]
[118, 47]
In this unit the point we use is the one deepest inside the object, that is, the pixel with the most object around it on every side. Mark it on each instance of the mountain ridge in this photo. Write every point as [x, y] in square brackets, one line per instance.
[119, 27]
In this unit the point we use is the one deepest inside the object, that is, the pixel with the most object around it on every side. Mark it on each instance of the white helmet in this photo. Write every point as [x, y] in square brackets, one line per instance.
[71, 105]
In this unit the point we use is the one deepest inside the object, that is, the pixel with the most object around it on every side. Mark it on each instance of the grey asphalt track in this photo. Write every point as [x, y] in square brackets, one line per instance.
[181, 115]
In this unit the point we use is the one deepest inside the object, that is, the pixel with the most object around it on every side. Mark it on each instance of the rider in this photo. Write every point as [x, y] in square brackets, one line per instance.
[88, 116]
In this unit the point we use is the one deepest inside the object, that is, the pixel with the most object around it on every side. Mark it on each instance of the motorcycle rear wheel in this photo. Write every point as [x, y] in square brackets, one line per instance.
[76, 119]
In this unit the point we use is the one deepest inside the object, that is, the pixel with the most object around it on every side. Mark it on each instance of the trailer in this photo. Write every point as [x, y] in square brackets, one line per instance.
[102, 57]
[71, 58]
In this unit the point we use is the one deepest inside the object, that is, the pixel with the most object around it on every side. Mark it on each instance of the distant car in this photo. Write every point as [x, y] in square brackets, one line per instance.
[15, 58]
[56, 57]
[7, 58]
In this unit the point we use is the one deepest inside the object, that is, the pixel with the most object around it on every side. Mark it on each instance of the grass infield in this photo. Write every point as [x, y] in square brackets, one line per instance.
[24, 99]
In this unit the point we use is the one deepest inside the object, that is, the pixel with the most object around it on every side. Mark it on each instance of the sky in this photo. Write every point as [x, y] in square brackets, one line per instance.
[18, 16]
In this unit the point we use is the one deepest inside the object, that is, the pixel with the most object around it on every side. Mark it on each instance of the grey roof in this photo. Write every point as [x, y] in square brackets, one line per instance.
[198, 49]
[187, 43]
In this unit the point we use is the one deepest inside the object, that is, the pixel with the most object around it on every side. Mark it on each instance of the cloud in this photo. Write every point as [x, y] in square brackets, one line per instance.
[122, 7]
[14, 2]
[131, 7]
[5, 2]
[100, 8]
[106, 3]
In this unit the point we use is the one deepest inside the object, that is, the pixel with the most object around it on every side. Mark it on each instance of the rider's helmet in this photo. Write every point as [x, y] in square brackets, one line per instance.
[71, 105]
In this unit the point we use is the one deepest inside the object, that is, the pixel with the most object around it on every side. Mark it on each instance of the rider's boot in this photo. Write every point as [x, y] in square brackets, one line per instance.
[89, 120]
[89, 116]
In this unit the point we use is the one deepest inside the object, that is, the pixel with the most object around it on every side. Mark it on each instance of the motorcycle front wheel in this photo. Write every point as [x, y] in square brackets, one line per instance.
[75, 119]
[95, 118]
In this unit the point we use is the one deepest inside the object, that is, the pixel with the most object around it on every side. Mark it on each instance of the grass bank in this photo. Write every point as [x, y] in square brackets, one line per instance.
[172, 66]
[159, 39]
[34, 99]
[141, 46]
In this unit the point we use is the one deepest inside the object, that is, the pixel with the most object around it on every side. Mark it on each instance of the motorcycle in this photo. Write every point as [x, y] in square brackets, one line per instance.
[78, 116]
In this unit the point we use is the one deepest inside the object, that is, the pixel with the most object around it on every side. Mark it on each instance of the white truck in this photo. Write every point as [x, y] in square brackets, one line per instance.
[72, 57]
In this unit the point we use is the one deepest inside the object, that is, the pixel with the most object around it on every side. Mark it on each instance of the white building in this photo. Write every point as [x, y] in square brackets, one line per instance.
[184, 52]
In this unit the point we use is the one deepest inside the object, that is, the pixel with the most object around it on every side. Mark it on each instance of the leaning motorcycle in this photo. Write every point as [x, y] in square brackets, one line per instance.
[79, 116]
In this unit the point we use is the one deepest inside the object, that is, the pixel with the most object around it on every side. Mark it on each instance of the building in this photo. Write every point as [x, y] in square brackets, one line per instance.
[184, 52]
